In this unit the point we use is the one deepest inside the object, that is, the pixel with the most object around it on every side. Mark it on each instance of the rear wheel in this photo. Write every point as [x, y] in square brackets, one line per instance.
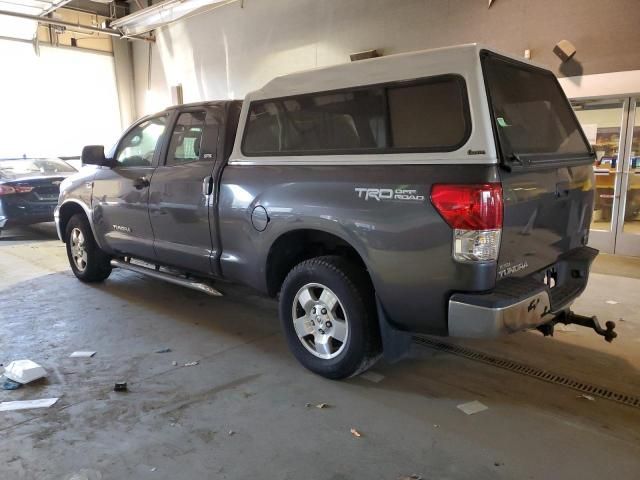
[87, 261]
[327, 311]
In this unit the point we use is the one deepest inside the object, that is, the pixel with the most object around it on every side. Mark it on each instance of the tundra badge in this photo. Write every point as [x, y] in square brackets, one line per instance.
[121, 228]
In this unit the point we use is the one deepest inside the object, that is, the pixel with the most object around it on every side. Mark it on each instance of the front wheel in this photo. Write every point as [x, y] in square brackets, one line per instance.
[327, 311]
[87, 261]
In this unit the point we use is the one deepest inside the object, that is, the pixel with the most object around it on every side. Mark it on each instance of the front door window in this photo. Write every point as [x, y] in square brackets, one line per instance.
[138, 147]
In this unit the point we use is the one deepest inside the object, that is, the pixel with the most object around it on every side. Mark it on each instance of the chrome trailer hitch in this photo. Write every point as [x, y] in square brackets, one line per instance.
[567, 317]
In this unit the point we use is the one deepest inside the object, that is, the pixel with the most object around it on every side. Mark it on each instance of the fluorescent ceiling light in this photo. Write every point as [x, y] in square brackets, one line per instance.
[161, 14]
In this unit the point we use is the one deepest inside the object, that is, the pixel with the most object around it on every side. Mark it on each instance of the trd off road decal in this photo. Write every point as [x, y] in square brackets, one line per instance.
[380, 194]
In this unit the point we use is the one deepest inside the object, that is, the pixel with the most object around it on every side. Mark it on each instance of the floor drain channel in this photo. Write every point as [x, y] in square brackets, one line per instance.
[529, 371]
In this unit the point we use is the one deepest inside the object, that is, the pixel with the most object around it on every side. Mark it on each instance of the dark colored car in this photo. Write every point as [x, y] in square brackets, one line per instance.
[446, 192]
[29, 189]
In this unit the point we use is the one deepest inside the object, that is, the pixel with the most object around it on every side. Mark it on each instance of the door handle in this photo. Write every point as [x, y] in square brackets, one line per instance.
[207, 186]
[141, 182]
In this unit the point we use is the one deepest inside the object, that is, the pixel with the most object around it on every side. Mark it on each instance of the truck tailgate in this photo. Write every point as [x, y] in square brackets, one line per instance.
[546, 173]
[546, 214]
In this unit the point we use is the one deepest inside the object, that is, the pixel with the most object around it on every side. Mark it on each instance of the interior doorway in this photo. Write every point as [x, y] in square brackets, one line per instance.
[612, 126]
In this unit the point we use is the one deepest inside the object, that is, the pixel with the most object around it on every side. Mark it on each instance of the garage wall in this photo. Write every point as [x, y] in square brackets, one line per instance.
[230, 50]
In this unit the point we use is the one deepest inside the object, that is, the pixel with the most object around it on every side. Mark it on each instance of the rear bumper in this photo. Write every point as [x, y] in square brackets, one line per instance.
[25, 213]
[521, 303]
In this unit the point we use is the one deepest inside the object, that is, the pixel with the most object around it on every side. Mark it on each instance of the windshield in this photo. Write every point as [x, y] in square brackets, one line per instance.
[23, 166]
[531, 113]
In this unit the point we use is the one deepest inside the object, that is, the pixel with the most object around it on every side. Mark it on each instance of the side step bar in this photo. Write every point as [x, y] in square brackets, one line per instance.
[167, 277]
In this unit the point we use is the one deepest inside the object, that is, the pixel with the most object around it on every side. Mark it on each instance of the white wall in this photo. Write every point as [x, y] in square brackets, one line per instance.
[55, 103]
[616, 84]
[231, 50]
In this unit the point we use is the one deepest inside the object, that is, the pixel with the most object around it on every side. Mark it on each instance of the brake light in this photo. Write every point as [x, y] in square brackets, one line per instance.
[23, 188]
[475, 213]
[469, 207]
[6, 190]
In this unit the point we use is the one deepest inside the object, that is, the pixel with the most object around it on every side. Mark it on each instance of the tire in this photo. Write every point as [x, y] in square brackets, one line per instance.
[342, 295]
[88, 263]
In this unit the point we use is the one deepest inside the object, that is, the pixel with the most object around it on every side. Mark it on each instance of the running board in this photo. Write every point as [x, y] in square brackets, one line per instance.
[167, 277]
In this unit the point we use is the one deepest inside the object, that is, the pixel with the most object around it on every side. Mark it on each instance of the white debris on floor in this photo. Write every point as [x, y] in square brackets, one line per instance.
[372, 376]
[472, 407]
[24, 371]
[565, 328]
[82, 354]
[27, 404]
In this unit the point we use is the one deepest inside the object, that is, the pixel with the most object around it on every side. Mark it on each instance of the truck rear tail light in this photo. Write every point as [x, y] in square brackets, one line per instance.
[6, 190]
[475, 214]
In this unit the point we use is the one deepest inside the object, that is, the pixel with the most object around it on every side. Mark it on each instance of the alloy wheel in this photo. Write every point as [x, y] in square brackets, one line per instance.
[320, 321]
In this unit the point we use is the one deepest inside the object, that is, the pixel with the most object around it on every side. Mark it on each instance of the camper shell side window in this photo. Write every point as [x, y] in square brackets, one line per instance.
[426, 115]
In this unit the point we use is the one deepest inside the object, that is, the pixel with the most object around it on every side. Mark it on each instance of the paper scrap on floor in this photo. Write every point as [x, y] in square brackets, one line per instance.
[472, 407]
[27, 404]
[82, 354]
[372, 376]
[566, 328]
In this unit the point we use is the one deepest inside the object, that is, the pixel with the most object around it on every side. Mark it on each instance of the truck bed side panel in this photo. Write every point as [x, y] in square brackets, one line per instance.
[383, 211]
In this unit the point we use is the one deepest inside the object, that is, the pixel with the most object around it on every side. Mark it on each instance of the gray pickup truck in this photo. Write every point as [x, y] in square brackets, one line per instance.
[445, 192]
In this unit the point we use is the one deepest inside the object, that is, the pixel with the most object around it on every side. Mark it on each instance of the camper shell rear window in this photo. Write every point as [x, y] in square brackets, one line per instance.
[532, 119]
[426, 115]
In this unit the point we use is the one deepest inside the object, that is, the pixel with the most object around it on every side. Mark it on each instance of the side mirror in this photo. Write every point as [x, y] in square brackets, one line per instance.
[94, 155]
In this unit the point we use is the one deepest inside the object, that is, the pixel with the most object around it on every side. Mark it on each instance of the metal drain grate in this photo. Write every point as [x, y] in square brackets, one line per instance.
[523, 369]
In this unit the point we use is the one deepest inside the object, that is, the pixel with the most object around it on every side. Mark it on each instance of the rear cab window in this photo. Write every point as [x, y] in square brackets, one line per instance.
[532, 119]
[428, 115]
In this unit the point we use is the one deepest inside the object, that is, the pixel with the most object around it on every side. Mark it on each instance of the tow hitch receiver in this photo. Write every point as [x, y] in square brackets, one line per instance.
[568, 317]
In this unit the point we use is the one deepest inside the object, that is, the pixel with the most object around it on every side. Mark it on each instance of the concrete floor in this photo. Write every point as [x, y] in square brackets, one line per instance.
[174, 423]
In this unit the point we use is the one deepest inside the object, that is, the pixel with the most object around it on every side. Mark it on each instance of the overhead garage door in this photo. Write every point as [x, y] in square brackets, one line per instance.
[55, 103]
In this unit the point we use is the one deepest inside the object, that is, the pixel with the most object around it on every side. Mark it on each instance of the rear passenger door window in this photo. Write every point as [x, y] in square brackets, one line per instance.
[429, 115]
[186, 139]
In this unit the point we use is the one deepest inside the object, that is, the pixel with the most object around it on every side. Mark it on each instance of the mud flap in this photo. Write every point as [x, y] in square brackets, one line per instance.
[395, 343]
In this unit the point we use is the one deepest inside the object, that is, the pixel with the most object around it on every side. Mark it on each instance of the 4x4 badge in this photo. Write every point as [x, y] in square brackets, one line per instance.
[533, 305]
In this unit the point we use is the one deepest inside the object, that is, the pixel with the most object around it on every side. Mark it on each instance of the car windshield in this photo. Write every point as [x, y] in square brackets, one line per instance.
[45, 166]
[531, 114]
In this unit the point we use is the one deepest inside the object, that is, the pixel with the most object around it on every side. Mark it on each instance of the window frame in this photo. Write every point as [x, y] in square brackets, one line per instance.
[459, 79]
[159, 144]
[174, 124]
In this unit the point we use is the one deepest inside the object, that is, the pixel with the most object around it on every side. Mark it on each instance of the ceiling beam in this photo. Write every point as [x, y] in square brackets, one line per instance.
[71, 26]
[74, 27]
[54, 7]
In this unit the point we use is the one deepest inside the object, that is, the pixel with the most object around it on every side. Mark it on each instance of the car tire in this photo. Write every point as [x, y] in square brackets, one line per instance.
[327, 310]
[88, 262]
